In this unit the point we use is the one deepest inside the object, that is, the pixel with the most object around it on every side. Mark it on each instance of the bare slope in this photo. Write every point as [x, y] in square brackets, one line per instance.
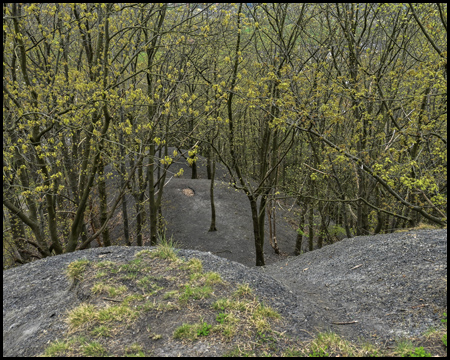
[384, 286]
[187, 210]
[375, 288]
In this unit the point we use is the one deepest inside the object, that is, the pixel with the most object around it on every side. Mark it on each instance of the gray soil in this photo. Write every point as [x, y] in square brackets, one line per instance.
[377, 288]
[186, 209]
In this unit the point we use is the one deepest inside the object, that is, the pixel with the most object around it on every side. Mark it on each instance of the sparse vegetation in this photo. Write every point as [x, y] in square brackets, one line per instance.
[237, 317]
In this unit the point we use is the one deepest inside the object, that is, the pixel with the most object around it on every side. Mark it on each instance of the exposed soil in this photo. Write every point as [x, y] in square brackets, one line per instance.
[376, 288]
[186, 210]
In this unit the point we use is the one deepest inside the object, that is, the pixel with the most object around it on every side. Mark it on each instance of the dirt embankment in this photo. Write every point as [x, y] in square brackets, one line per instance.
[377, 288]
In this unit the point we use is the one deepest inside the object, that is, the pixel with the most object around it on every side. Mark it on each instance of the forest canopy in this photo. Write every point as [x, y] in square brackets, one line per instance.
[340, 107]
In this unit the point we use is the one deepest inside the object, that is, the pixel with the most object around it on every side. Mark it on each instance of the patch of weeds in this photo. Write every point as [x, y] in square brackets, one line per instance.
[203, 330]
[131, 298]
[213, 278]
[170, 294]
[192, 331]
[130, 276]
[265, 311]
[138, 354]
[444, 337]
[264, 338]
[134, 348]
[165, 250]
[110, 290]
[319, 353]
[418, 352]
[143, 252]
[403, 348]
[220, 318]
[195, 292]
[292, 352]
[195, 276]
[185, 331]
[101, 274]
[57, 348]
[261, 325]
[228, 326]
[101, 330]
[194, 265]
[76, 269]
[236, 352]
[147, 306]
[134, 266]
[93, 349]
[166, 306]
[144, 282]
[105, 264]
[81, 315]
[242, 290]
[222, 304]
[116, 313]
[331, 344]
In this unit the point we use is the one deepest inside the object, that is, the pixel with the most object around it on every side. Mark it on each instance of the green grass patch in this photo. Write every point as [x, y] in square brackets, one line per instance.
[101, 330]
[243, 290]
[57, 348]
[75, 269]
[195, 293]
[93, 349]
[112, 291]
[165, 250]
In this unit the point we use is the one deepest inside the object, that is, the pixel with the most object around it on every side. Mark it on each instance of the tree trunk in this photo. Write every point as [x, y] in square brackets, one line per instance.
[103, 202]
[151, 194]
[211, 194]
[311, 227]
[300, 232]
[259, 237]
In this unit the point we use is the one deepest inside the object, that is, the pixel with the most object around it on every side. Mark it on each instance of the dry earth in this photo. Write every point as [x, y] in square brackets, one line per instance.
[377, 288]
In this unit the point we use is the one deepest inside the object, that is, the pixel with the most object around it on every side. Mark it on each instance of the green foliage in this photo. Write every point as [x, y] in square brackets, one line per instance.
[85, 84]
[336, 230]
[220, 318]
[204, 329]
[444, 337]
[76, 269]
[418, 352]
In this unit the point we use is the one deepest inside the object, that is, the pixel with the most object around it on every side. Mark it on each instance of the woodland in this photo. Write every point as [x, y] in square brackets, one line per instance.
[339, 107]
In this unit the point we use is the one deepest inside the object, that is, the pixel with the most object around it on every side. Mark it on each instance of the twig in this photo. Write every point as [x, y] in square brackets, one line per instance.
[345, 322]
[418, 306]
[112, 300]
[357, 266]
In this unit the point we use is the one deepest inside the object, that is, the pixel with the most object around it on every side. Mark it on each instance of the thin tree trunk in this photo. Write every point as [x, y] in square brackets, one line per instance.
[211, 194]
[311, 227]
[300, 232]
[259, 238]
[126, 230]
[103, 202]
[152, 202]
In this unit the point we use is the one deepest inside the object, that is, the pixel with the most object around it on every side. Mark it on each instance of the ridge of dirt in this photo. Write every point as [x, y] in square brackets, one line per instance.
[392, 285]
[377, 288]
[37, 297]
